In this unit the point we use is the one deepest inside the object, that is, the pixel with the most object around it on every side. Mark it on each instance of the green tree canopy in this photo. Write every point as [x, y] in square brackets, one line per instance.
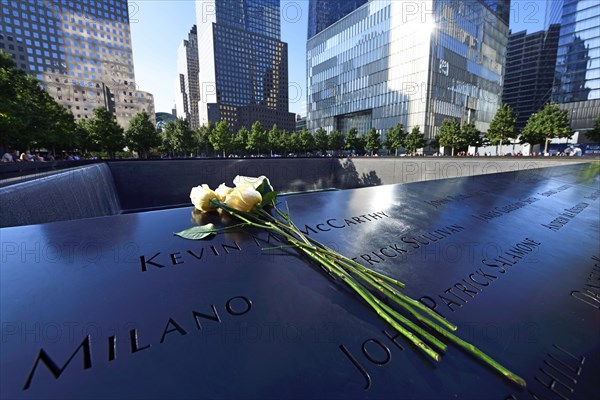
[394, 138]
[414, 140]
[277, 140]
[550, 122]
[105, 132]
[186, 139]
[336, 140]
[321, 140]
[294, 142]
[502, 126]
[202, 138]
[373, 143]
[240, 141]
[471, 136]
[351, 139]
[258, 140]
[141, 135]
[594, 134]
[307, 141]
[29, 116]
[449, 135]
[220, 138]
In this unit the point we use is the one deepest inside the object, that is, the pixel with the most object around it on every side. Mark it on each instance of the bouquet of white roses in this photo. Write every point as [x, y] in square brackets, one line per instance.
[250, 201]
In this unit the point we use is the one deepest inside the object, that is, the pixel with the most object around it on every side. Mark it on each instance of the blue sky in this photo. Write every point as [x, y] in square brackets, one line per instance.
[159, 26]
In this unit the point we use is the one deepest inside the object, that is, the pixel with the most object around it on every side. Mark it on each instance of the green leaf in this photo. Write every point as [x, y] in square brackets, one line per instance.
[265, 188]
[269, 199]
[197, 232]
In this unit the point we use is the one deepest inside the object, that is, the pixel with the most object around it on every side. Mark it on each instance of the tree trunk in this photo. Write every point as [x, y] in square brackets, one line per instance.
[500, 146]
[452, 153]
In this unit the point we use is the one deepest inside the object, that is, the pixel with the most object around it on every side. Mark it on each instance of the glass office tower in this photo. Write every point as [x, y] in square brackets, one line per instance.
[243, 64]
[530, 63]
[390, 62]
[79, 50]
[577, 78]
[323, 13]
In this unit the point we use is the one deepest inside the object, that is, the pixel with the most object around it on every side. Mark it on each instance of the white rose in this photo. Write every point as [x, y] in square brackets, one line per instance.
[243, 198]
[201, 197]
[248, 180]
[222, 191]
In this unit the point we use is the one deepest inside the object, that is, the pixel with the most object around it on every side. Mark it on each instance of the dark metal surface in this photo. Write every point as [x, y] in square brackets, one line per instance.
[82, 315]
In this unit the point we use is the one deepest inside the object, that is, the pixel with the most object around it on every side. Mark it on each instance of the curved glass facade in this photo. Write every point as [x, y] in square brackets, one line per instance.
[324, 13]
[577, 75]
[386, 63]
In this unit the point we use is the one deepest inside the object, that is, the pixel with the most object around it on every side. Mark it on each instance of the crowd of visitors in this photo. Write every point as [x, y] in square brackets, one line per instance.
[13, 155]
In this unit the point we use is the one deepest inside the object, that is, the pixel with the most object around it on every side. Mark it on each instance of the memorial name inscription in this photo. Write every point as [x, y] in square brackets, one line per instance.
[343, 222]
[566, 216]
[416, 242]
[502, 210]
[590, 291]
[235, 306]
[473, 284]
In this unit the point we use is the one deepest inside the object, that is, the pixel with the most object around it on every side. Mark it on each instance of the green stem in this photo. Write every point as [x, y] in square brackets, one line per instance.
[373, 302]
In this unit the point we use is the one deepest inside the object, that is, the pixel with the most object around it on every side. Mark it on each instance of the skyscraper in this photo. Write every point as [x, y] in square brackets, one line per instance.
[187, 93]
[79, 50]
[577, 77]
[324, 13]
[243, 64]
[530, 62]
[390, 62]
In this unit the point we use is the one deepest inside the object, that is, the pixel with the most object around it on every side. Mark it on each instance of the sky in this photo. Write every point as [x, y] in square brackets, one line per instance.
[159, 26]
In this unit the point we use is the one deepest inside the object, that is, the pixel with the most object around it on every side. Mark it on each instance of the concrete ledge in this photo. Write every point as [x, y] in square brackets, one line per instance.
[114, 187]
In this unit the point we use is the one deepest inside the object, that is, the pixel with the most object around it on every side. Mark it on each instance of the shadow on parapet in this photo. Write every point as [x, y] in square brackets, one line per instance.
[347, 177]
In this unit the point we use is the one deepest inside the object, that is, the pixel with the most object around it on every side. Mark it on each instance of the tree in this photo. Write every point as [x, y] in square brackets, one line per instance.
[321, 140]
[169, 139]
[29, 116]
[307, 141]
[336, 141]
[141, 135]
[294, 142]
[258, 140]
[449, 134]
[394, 138]
[373, 143]
[471, 136]
[502, 126]
[185, 139]
[546, 124]
[414, 140]
[351, 140]
[202, 138]
[220, 138]
[105, 132]
[240, 141]
[594, 134]
[276, 140]
[83, 141]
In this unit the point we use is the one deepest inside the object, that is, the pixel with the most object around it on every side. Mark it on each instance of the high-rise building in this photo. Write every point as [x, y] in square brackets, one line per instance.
[243, 64]
[324, 13]
[187, 94]
[577, 76]
[530, 62]
[390, 62]
[553, 12]
[79, 50]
